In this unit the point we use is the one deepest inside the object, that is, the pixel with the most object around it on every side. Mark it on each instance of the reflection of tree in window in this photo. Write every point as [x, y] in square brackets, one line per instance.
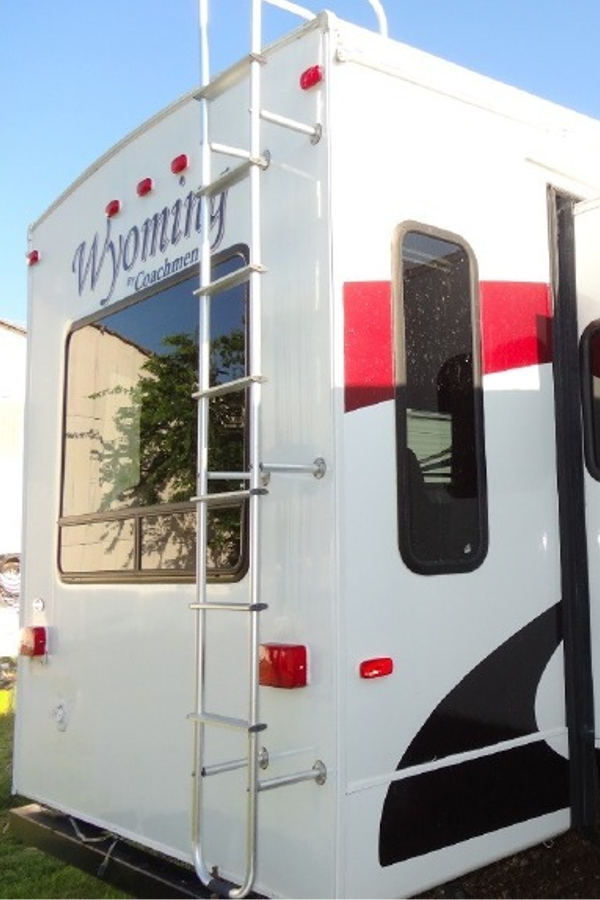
[154, 432]
[155, 440]
[167, 448]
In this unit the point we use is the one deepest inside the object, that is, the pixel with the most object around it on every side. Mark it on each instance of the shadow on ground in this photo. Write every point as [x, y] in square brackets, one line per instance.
[566, 867]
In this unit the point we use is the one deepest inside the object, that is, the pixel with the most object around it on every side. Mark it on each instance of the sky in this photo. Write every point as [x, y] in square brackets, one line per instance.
[77, 76]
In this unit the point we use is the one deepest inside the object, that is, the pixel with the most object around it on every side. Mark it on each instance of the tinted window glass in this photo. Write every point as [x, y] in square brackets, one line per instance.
[130, 435]
[442, 517]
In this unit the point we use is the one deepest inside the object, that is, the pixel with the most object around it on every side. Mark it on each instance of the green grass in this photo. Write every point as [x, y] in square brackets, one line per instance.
[25, 871]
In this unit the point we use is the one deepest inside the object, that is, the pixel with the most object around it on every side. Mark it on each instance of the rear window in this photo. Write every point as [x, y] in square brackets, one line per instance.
[130, 437]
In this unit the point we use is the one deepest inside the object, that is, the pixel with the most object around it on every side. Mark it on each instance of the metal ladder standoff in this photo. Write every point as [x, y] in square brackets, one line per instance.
[318, 774]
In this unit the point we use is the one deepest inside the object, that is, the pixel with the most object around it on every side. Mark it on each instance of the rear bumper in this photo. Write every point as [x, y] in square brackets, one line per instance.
[130, 868]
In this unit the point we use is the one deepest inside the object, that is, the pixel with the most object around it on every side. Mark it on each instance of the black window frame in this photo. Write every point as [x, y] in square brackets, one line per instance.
[137, 574]
[590, 408]
[404, 463]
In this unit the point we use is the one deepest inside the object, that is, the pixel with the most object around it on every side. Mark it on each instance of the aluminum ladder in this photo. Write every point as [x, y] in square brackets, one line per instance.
[252, 164]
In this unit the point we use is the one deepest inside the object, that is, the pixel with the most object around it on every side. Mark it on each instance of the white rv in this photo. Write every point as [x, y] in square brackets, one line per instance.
[312, 502]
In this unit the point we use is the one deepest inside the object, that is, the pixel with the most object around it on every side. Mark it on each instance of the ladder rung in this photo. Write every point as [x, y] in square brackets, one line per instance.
[228, 498]
[232, 176]
[232, 764]
[229, 387]
[231, 280]
[228, 78]
[226, 722]
[223, 498]
[228, 476]
[232, 607]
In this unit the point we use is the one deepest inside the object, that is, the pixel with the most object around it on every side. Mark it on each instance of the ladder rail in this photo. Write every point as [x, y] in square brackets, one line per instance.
[254, 400]
[254, 161]
[201, 718]
[200, 866]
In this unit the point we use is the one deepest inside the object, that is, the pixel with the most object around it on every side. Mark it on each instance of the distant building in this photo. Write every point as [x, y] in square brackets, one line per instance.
[13, 344]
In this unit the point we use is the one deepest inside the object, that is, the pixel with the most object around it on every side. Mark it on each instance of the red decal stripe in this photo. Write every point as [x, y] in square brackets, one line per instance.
[368, 356]
[516, 324]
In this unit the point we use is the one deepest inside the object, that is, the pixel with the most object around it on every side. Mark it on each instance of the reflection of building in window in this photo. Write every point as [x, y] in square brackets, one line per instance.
[442, 521]
[429, 435]
[104, 371]
[130, 439]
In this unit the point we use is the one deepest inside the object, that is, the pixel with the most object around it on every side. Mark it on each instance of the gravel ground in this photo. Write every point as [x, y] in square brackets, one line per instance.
[568, 866]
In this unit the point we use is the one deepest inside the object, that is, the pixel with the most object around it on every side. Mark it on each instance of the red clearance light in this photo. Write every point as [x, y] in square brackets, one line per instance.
[377, 668]
[33, 641]
[311, 77]
[179, 164]
[144, 187]
[283, 665]
[112, 208]
[33, 257]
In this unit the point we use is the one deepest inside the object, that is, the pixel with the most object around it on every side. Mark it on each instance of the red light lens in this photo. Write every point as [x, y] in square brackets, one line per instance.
[377, 668]
[144, 187]
[311, 77]
[33, 257]
[283, 665]
[112, 208]
[33, 641]
[179, 164]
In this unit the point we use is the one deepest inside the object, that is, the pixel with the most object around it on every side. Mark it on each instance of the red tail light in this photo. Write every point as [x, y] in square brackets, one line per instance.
[34, 641]
[377, 668]
[283, 665]
[33, 257]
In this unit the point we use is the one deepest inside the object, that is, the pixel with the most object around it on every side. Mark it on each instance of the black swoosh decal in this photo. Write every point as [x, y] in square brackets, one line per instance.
[494, 702]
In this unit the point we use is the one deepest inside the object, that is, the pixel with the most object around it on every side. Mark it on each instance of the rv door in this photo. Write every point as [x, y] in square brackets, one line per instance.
[586, 229]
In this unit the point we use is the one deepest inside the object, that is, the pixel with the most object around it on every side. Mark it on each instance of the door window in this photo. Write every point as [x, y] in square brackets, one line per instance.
[440, 440]
[590, 387]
